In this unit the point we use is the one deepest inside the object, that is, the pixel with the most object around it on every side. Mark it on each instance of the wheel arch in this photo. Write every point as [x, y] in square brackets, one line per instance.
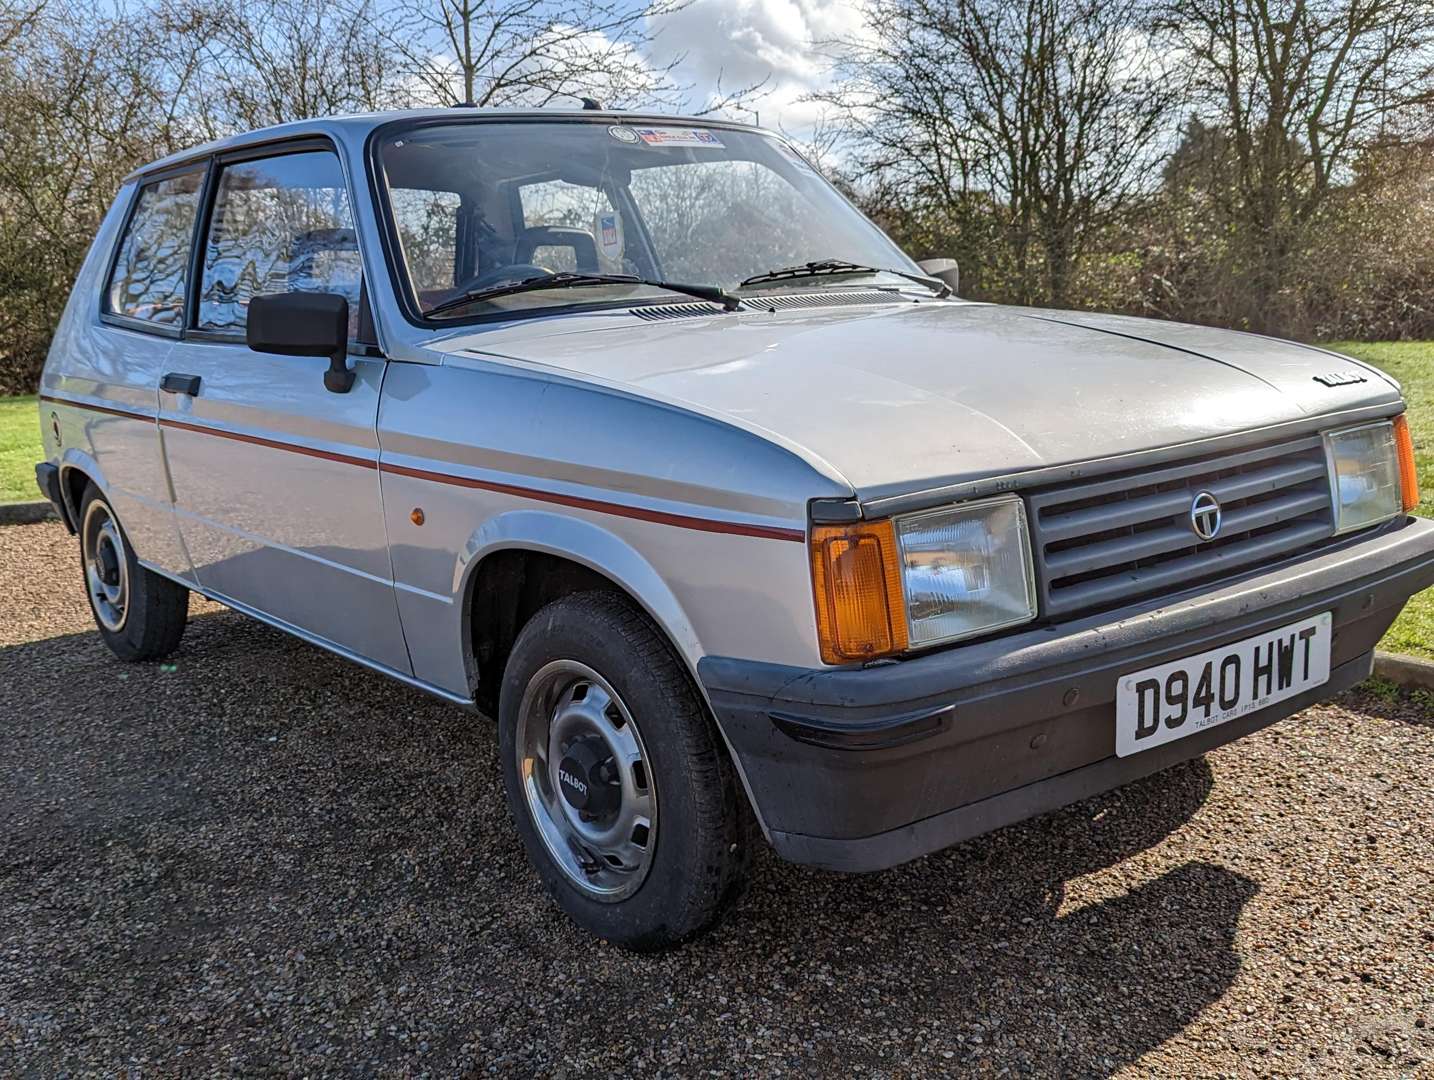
[496, 563]
[519, 561]
[77, 471]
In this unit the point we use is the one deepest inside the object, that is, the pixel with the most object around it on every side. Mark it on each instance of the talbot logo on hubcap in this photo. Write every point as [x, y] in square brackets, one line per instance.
[1205, 516]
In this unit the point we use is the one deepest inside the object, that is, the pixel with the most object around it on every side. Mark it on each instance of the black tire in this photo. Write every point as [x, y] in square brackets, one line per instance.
[151, 619]
[703, 829]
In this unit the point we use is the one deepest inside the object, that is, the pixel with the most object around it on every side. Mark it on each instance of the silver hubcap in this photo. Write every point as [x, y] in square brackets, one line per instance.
[587, 780]
[106, 571]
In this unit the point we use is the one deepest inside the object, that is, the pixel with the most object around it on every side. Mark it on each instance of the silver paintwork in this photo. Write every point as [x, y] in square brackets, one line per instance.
[741, 418]
[298, 536]
[605, 856]
[115, 368]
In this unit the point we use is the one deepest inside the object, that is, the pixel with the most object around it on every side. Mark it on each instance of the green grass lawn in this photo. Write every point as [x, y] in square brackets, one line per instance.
[1412, 363]
[19, 449]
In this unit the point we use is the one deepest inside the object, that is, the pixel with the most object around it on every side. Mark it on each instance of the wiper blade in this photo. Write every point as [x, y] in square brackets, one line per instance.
[578, 281]
[819, 267]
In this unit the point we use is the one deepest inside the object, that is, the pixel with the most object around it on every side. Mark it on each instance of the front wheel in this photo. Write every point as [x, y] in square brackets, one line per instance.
[625, 799]
[140, 615]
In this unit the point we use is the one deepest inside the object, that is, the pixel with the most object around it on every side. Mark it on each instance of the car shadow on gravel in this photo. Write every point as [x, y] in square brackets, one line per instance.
[979, 943]
[262, 857]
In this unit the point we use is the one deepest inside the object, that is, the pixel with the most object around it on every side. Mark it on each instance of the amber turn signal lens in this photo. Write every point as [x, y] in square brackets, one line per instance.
[1408, 474]
[856, 573]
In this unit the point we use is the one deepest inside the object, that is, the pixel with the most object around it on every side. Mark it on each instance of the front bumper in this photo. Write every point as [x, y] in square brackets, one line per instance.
[864, 768]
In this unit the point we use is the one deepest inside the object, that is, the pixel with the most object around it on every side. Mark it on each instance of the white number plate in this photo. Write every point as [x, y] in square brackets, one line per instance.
[1168, 702]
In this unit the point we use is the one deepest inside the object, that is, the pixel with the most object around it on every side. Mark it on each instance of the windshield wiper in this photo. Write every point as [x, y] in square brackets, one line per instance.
[577, 281]
[820, 267]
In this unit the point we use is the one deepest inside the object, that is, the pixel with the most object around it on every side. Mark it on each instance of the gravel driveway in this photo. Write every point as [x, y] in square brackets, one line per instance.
[264, 859]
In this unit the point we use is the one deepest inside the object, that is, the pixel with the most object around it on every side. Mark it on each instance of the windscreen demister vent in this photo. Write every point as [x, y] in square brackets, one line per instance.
[834, 298]
[775, 302]
[666, 312]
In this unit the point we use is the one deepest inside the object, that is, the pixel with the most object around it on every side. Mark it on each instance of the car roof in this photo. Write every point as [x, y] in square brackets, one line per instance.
[355, 127]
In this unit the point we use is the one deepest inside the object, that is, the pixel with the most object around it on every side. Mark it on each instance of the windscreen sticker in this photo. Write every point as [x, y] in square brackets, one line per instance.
[609, 235]
[622, 134]
[677, 136]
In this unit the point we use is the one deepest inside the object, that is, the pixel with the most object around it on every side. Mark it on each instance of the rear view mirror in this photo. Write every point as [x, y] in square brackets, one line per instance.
[944, 269]
[304, 324]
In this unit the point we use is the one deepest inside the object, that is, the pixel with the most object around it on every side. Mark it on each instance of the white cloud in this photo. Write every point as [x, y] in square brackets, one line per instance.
[744, 41]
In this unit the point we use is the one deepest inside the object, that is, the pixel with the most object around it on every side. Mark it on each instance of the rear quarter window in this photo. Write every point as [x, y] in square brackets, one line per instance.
[152, 263]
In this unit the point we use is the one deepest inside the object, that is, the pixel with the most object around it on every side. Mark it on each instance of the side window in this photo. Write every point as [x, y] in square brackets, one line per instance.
[280, 224]
[153, 259]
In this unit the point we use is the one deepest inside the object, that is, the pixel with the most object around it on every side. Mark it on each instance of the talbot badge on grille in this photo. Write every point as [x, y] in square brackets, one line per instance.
[1205, 516]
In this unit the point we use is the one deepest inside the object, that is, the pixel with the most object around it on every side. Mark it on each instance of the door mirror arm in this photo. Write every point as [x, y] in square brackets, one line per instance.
[304, 324]
[339, 379]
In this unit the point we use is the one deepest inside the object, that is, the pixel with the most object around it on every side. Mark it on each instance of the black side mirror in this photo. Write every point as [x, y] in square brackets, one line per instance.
[944, 269]
[304, 324]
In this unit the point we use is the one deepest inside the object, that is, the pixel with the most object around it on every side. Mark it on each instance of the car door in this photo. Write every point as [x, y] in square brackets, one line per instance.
[100, 399]
[275, 478]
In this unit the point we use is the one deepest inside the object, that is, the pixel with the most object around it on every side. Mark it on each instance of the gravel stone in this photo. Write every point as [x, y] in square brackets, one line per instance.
[258, 858]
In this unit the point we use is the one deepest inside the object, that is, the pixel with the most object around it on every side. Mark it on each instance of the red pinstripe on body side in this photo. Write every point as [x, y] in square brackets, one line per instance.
[681, 521]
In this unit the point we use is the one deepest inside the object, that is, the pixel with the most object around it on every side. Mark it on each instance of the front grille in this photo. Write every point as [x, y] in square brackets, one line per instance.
[1106, 542]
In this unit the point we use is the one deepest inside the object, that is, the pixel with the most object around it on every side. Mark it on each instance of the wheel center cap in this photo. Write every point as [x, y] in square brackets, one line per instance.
[583, 778]
[109, 564]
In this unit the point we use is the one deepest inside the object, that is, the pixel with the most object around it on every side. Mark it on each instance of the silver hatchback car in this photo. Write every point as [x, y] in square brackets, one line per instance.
[632, 432]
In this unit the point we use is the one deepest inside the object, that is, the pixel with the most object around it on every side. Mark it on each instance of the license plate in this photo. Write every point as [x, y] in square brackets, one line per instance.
[1161, 704]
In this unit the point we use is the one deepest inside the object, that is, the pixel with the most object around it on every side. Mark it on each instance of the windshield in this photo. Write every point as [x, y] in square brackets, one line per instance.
[478, 205]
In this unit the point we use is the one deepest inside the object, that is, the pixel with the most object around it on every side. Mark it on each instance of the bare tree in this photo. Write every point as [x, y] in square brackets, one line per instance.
[1044, 113]
[259, 62]
[82, 102]
[1293, 91]
[16, 19]
[530, 52]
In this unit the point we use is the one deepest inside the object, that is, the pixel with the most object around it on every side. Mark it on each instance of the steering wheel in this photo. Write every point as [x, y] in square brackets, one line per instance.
[501, 275]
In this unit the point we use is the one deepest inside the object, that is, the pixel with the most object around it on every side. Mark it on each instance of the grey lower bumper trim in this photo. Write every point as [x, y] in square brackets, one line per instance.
[865, 768]
[897, 846]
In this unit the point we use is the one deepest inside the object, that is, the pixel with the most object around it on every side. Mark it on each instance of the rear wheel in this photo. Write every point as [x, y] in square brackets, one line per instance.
[620, 788]
[140, 615]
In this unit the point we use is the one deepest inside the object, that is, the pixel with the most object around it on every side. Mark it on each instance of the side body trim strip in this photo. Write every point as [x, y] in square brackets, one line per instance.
[681, 521]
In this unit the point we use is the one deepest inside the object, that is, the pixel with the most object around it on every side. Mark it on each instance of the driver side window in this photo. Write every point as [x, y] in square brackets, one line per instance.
[280, 224]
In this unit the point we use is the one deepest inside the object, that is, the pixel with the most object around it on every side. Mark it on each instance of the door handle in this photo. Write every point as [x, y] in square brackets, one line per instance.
[176, 382]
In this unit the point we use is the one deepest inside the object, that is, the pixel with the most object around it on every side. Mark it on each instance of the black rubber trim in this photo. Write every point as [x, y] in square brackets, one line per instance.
[884, 850]
[835, 511]
[47, 479]
[871, 735]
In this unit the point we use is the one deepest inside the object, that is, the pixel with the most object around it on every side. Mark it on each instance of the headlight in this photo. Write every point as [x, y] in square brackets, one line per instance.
[966, 570]
[921, 579]
[1364, 475]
